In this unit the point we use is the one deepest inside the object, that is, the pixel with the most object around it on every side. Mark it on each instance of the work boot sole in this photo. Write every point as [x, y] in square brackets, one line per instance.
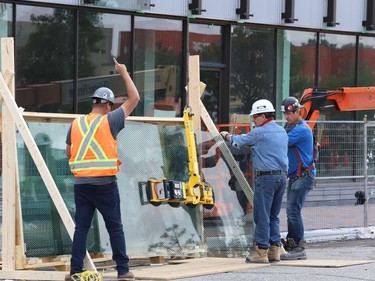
[261, 262]
[293, 258]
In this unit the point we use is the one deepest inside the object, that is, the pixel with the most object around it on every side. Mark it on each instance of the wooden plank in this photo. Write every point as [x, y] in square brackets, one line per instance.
[32, 275]
[66, 118]
[227, 154]
[194, 90]
[157, 260]
[9, 164]
[8, 68]
[19, 239]
[197, 267]
[45, 264]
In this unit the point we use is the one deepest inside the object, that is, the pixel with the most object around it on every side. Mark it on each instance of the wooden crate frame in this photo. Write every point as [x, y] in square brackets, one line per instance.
[14, 262]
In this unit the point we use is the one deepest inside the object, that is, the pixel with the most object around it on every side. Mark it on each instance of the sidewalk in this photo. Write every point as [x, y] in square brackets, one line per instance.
[349, 250]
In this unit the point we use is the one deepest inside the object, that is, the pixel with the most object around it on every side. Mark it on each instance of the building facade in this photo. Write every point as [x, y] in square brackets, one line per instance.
[248, 50]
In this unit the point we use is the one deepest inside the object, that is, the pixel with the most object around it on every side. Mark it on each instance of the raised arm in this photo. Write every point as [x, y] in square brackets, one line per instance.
[133, 96]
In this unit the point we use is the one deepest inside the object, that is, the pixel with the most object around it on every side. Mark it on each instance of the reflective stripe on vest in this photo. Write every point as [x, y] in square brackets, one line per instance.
[89, 142]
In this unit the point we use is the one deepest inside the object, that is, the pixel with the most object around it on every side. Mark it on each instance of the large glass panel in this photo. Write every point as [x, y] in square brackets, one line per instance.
[158, 59]
[44, 232]
[44, 52]
[161, 152]
[5, 20]
[336, 67]
[101, 38]
[146, 151]
[205, 41]
[296, 63]
[252, 67]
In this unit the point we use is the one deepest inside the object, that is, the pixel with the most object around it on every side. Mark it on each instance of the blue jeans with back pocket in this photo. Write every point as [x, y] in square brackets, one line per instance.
[268, 196]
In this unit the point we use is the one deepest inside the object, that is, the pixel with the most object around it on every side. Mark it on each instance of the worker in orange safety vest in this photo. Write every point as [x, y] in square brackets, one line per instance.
[92, 151]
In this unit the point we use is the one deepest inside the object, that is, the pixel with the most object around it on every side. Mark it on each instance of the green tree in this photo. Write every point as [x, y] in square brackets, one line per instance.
[252, 66]
[49, 52]
[298, 80]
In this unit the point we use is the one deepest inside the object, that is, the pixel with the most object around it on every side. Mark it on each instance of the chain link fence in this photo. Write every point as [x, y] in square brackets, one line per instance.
[344, 190]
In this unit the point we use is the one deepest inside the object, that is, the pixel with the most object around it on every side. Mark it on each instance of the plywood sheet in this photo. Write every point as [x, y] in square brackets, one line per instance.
[321, 263]
[191, 268]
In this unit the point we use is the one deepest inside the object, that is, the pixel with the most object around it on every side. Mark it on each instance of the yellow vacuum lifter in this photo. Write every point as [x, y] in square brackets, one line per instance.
[193, 192]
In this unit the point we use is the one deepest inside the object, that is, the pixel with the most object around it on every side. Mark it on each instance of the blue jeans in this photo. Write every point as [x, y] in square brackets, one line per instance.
[106, 199]
[296, 194]
[268, 196]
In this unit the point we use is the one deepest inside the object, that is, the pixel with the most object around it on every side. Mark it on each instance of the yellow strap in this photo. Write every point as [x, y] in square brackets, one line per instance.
[88, 276]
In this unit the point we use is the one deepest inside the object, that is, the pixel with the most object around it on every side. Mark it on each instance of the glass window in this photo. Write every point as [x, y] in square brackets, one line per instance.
[205, 41]
[336, 68]
[336, 61]
[5, 20]
[158, 59]
[210, 97]
[252, 67]
[296, 63]
[366, 61]
[366, 73]
[44, 52]
[101, 38]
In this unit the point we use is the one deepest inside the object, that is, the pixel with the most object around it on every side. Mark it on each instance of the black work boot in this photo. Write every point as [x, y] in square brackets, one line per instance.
[295, 251]
[288, 243]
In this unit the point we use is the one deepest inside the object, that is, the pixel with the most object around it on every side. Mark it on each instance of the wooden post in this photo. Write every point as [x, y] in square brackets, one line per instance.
[9, 152]
[194, 90]
[7, 67]
[227, 154]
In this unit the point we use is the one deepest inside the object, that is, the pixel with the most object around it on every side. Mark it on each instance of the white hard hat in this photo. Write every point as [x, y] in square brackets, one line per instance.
[262, 106]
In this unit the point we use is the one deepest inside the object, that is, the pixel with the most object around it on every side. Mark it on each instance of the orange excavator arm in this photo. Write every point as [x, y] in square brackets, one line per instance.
[342, 99]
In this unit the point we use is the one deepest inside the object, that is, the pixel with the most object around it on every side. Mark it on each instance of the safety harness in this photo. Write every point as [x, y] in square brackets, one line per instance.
[301, 167]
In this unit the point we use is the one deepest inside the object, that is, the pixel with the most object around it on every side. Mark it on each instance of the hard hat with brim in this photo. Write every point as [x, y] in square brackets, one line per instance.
[103, 95]
[290, 104]
[262, 106]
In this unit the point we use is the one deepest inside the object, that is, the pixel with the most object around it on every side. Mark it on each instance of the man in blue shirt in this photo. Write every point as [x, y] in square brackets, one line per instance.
[301, 176]
[269, 145]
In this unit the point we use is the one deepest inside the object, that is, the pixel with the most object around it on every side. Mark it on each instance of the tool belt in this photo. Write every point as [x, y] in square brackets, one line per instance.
[302, 174]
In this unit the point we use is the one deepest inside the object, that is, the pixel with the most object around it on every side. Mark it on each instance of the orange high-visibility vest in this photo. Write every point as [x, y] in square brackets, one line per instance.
[93, 149]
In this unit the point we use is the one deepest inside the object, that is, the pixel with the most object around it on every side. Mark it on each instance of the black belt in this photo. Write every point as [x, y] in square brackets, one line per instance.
[101, 183]
[268, 173]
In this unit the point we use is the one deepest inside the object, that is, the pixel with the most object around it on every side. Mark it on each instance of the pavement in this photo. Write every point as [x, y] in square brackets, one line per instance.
[355, 249]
